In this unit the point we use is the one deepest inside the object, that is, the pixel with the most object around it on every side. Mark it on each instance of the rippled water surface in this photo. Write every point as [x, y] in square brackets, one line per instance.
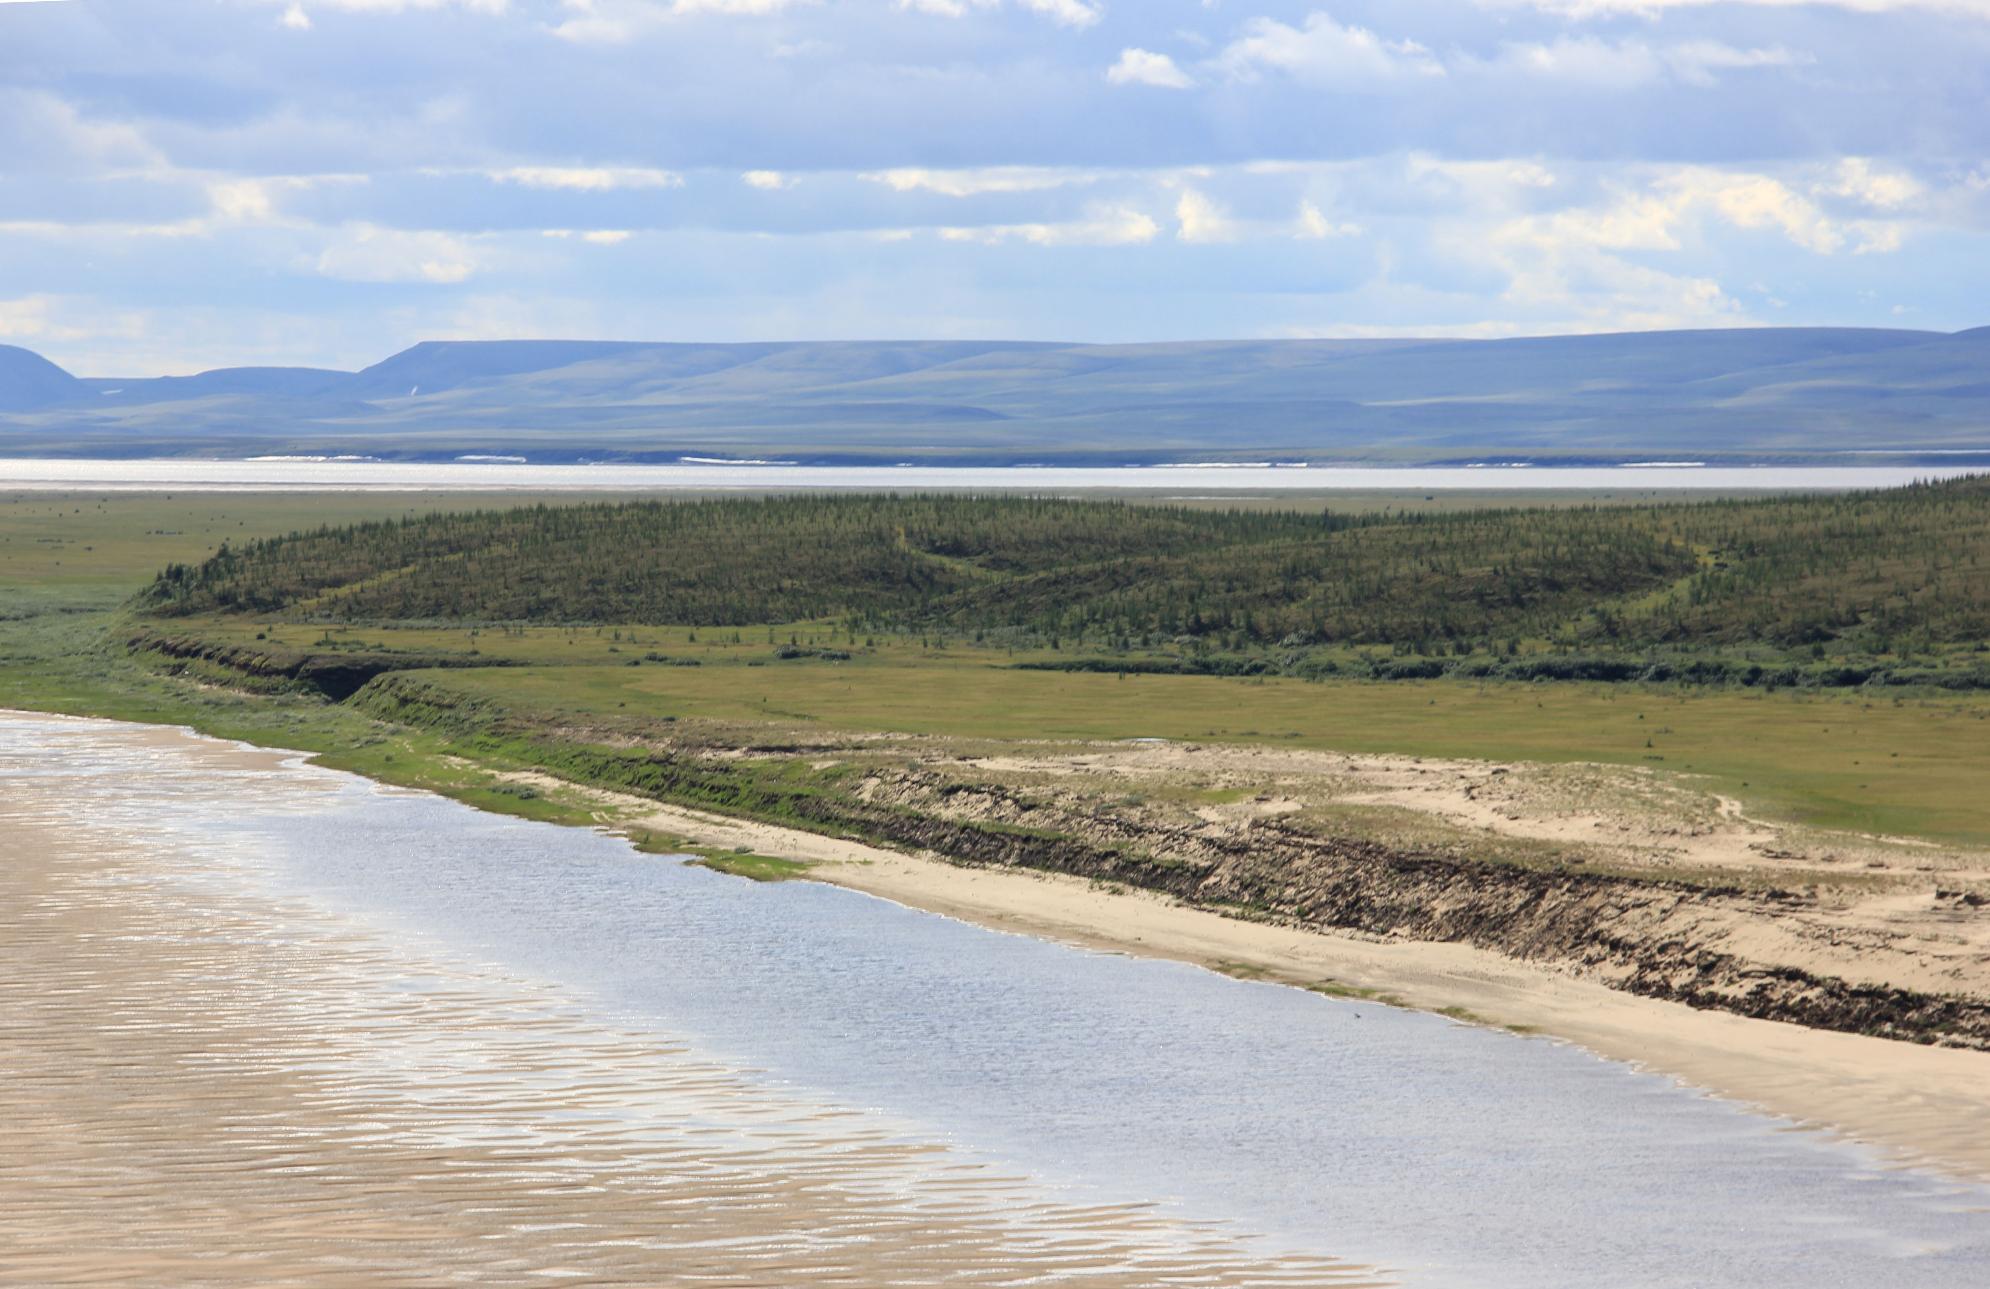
[1451, 1155]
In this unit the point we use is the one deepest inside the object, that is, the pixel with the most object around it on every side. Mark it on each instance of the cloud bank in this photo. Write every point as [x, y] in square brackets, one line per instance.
[310, 180]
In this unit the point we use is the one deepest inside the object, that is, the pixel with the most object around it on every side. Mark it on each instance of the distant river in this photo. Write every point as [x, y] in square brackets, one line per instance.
[315, 475]
[459, 992]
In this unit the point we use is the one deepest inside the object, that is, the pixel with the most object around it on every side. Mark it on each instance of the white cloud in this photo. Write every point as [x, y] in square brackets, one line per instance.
[1858, 179]
[1633, 64]
[242, 200]
[1198, 219]
[29, 318]
[1585, 60]
[1878, 238]
[1327, 53]
[1757, 202]
[1594, 290]
[56, 230]
[1762, 203]
[369, 253]
[1695, 61]
[1313, 225]
[737, 8]
[1635, 222]
[232, 204]
[1658, 215]
[1323, 52]
[586, 178]
[41, 132]
[594, 236]
[616, 21]
[1482, 185]
[254, 200]
[596, 23]
[1653, 8]
[1066, 13]
[396, 6]
[1144, 67]
[973, 183]
[1105, 226]
[1001, 125]
[43, 320]
[1629, 256]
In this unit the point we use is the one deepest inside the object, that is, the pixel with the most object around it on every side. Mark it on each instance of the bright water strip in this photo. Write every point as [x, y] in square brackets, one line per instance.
[307, 475]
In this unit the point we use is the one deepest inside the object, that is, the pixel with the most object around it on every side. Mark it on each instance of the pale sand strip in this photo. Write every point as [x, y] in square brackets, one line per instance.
[199, 1087]
[1925, 1105]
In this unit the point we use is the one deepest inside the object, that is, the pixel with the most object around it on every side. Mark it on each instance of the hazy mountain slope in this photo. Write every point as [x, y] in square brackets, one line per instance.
[1954, 366]
[29, 380]
[1696, 394]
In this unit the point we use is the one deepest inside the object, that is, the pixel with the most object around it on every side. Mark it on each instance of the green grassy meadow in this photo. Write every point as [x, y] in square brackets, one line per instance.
[1906, 765]
[1900, 762]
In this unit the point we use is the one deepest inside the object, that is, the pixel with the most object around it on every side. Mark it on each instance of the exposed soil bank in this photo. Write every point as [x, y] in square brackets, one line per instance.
[1793, 988]
[1720, 945]
[335, 675]
[1927, 1105]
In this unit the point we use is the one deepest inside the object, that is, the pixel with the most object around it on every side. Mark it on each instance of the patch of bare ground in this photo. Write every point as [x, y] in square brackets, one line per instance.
[1864, 909]
[1585, 902]
[1604, 863]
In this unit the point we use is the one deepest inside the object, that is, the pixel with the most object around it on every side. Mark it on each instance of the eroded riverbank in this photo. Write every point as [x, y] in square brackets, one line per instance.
[1923, 1104]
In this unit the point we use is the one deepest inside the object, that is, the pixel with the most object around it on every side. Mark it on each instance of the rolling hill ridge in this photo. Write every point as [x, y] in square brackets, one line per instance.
[1791, 394]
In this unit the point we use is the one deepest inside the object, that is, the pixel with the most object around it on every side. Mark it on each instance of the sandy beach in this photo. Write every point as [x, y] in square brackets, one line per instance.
[1924, 1105]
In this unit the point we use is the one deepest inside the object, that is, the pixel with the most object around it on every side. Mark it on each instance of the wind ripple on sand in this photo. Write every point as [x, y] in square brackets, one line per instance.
[201, 1087]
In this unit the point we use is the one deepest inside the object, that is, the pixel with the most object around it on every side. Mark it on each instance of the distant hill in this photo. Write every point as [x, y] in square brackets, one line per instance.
[1783, 394]
[436, 366]
[28, 380]
[261, 382]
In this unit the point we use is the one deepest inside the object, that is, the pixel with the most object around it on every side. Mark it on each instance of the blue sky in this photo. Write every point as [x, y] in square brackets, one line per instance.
[193, 183]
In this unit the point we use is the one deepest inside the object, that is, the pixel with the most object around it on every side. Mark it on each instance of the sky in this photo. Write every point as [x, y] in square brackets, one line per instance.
[186, 184]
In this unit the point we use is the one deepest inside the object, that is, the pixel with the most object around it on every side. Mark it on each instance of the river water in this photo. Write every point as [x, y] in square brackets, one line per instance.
[1194, 1128]
[321, 475]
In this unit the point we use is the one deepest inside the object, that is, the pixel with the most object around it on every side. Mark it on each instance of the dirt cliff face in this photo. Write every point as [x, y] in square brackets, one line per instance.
[1675, 941]
[1730, 938]
[336, 675]
[1704, 908]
